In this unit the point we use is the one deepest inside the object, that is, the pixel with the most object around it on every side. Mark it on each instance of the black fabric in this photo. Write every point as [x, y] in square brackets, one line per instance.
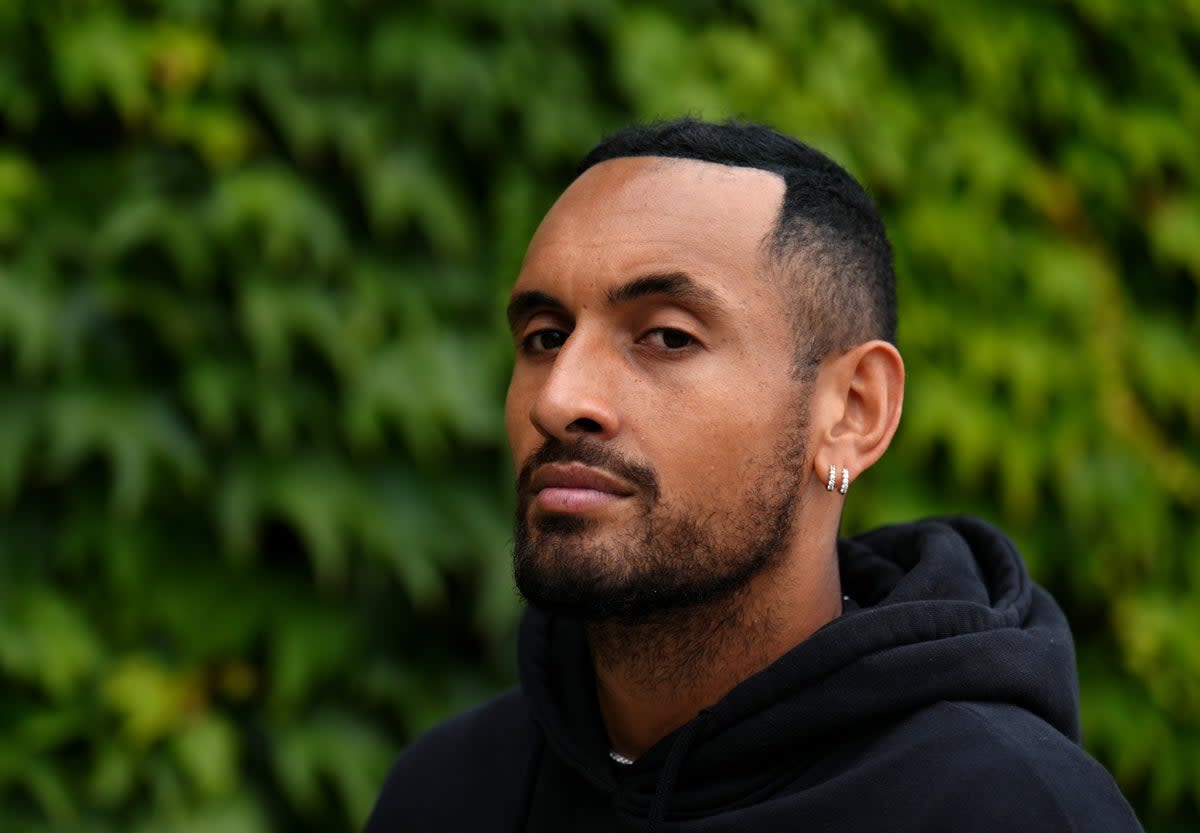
[473, 772]
[945, 699]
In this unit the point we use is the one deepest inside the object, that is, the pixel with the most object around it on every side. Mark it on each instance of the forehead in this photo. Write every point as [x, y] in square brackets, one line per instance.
[650, 214]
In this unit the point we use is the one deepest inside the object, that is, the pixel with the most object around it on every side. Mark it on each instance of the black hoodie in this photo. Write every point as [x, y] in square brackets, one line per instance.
[944, 699]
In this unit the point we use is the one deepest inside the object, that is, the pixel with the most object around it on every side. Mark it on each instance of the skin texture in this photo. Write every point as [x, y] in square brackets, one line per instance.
[673, 465]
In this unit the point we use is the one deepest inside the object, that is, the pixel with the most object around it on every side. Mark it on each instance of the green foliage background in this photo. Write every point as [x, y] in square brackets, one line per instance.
[254, 492]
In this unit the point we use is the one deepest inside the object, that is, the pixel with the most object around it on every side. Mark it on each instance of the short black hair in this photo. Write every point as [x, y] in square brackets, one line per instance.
[829, 232]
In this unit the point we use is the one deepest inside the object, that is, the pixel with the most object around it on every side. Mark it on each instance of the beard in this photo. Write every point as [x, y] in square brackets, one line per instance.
[670, 558]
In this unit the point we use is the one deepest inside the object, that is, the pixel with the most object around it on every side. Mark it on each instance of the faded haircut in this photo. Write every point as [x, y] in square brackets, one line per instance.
[829, 239]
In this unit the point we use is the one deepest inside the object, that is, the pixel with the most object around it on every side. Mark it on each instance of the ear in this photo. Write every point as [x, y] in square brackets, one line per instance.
[857, 404]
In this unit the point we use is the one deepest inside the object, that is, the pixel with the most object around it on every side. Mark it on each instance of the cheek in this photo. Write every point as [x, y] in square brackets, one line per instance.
[702, 452]
[721, 443]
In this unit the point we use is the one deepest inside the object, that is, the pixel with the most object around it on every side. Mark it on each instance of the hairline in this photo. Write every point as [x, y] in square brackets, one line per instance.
[777, 253]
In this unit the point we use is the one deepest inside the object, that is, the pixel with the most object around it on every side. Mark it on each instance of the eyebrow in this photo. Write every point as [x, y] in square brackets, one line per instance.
[524, 304]
[675, 286]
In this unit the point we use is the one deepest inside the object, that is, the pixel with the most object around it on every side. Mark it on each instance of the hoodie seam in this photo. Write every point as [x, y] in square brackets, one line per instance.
[1022, 759]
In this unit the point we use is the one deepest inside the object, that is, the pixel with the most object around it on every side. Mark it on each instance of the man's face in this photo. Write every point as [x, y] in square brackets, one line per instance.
[654, 415]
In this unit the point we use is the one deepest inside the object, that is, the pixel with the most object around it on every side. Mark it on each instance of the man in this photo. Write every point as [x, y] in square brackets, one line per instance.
[705, 361]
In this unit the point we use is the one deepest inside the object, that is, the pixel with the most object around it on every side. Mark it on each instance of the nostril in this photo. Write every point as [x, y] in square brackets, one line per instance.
[585, 425]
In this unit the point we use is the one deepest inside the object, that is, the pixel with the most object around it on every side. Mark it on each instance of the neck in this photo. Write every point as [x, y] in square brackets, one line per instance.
[654, 676]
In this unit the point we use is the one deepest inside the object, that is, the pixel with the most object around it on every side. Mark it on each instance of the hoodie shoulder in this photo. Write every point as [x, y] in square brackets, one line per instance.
[471, 772]
[997, 767]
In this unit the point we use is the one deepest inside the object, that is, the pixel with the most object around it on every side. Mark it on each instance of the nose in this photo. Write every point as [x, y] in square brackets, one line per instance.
[576, 397]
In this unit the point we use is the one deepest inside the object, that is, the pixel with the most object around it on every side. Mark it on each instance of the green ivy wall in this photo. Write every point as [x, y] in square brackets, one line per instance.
[254, 491]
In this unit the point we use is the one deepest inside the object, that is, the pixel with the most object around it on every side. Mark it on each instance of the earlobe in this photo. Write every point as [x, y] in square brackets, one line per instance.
[861, 406]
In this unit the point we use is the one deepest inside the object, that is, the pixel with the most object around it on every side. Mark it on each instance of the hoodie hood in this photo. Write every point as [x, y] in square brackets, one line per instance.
[944, 611]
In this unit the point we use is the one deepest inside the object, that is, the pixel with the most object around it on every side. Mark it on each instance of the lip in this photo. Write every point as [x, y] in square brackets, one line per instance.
[577, 476]
[572, 487]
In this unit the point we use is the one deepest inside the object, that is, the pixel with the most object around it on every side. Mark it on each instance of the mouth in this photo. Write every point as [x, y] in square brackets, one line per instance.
[570, 488]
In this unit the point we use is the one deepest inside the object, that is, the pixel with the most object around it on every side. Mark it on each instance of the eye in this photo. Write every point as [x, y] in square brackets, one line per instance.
[543, 341]
[669, 339]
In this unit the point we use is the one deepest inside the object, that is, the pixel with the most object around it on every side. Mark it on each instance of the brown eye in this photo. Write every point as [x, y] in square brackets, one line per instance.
[671, 339]
[544, 341]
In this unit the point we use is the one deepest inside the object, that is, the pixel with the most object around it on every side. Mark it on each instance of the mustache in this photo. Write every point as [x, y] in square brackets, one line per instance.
[589, 453]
